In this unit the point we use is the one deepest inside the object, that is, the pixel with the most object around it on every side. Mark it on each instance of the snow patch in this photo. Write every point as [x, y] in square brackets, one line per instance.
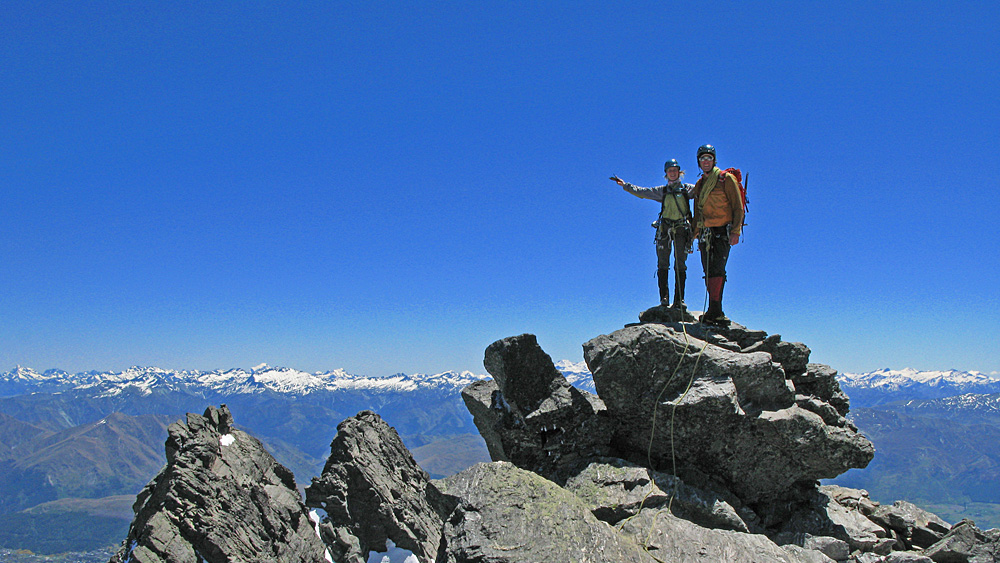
[227, 440]
[393, 554]
[316, 518]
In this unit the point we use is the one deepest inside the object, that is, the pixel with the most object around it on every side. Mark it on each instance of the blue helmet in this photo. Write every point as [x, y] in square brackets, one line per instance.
[706, 149]
[671, 163]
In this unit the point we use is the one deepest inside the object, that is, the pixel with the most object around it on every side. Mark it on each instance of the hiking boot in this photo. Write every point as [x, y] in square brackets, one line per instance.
[720, 320]
[663, 281]
[714, 315]
[679, 279]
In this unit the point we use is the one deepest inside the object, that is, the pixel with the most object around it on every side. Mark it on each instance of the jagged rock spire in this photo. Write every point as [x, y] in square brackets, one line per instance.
[372, 490]
[221, 497]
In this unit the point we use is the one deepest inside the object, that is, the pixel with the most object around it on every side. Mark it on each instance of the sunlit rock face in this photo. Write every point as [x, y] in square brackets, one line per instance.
[724, 416]
[221, 497]
[373, 492]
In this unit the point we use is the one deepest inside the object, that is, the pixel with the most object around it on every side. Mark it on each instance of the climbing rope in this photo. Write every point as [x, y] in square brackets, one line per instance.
[652, 430]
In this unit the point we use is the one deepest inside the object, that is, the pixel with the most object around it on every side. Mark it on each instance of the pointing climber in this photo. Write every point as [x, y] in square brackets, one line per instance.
[718, 221]
[673, 229]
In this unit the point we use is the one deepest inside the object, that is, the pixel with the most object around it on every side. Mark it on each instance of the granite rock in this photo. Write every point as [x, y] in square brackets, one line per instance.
[372, 489]
[221, 497]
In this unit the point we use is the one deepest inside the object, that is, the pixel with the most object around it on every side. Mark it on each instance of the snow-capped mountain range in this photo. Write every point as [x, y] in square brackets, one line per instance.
[577, 374]
[237, 381]
[865, 389]
[970, 403]
[908, 377]
[886, 385]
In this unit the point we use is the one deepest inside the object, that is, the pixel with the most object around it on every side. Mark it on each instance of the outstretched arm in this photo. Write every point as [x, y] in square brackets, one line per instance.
[655, 194]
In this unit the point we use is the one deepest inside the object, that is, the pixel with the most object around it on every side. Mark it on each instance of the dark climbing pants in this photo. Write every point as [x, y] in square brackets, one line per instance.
[674, 241]
[715, 254]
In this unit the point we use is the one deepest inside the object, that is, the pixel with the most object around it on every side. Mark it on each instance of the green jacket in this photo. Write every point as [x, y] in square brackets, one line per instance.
[673, 197]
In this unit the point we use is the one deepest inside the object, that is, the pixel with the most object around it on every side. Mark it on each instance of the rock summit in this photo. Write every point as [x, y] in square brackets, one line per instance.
[701, 444]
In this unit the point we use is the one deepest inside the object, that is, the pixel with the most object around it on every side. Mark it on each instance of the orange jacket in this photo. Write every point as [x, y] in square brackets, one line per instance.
[723, 205]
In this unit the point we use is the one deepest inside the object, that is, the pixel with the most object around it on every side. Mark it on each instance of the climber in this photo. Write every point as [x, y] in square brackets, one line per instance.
[718, 222]
[673, 229]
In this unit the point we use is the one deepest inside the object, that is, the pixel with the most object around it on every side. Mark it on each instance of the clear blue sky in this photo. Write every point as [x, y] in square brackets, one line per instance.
[391, 186]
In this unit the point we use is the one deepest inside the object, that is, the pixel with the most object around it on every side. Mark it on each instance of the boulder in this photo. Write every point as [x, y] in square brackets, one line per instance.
[373, 490]
[617, 490]
[838, 550]
[924, 536]
[706, 333]
[694, 409]
[966, 543]
[907, 557]
[820, 381]
[825, 411]
[531, 416]
[525, 373]
[489, 412]
[509, 515]
[221, 497]
[341, 544]
[852, 499]
[808, 555]
[668, 538]
[792, 356]
[666, 314]
[822, 515]
[916, 526]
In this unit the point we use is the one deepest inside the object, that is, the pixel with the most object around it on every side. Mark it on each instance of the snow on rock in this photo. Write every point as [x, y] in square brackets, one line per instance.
[315, 518]
[393, 554]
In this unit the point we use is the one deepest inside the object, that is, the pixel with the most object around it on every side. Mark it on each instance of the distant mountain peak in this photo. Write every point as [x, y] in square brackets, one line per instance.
[261, 378]
[887, 376]
[889, 385]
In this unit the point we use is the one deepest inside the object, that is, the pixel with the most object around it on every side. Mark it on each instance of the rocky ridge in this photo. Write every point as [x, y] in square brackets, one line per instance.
[700, 445]
[220, 497]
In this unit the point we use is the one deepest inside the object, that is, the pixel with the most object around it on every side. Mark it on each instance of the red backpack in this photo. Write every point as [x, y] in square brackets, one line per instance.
[738, 176]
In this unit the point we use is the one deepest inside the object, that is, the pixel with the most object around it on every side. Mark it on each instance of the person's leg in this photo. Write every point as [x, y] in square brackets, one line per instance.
[663, 268]
[715, 279]
[680, 266]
